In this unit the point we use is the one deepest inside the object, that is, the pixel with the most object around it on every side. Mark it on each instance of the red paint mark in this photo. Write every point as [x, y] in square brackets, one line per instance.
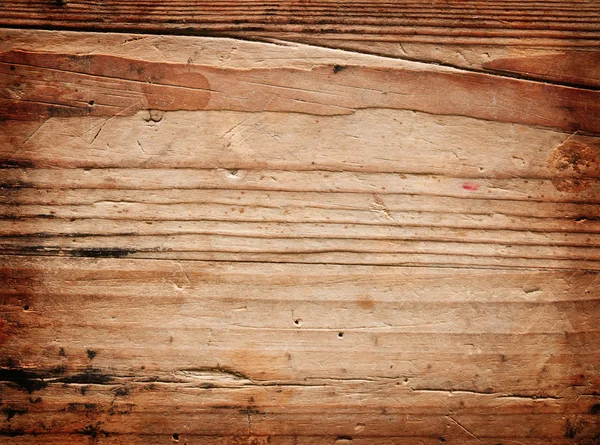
[471, 186]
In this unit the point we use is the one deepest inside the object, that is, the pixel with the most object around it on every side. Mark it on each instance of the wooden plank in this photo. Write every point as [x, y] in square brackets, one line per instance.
[417, 319]
[39, 86]
[555, 41]
[441, 20]
[216, 241]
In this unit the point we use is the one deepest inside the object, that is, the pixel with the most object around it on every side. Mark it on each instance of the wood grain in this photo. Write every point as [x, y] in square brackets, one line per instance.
[51, 88]
[556, 41]
[440, 20]
[423, 350]
[223, 242]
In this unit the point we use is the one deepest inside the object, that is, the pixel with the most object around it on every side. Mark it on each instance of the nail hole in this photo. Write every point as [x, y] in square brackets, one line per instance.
[340, 335]
[176, 437]
[12, 68]
[26, 307]
[298, 322]
[91, 103]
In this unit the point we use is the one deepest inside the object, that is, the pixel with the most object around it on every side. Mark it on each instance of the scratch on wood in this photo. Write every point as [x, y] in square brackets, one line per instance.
[464, 428]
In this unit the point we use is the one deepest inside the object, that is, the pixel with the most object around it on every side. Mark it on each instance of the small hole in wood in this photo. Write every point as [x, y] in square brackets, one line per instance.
[340, 335]
[176, 437]
[26, 307]
[12, 68]
[91, 103]
[298, 322]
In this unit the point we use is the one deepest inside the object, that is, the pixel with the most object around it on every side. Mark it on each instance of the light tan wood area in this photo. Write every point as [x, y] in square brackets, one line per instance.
[207, 240]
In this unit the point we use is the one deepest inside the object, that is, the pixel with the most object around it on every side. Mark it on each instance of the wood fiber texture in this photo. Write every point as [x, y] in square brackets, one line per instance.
[358, 223]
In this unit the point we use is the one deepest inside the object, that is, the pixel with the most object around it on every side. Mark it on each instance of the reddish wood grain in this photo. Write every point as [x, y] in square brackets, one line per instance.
[37, 85]
[559, 22]
[577, 68]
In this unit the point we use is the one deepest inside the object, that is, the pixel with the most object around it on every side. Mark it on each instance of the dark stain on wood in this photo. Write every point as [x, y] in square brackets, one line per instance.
[29, 380]
[338, 68]
[13, 185]
[94, 431]
[82, 407]
[38, 379]
[89, 376]
[10, 412]
[16, 163]
[100, 252]
[585, 431]
[121, 391]
[11, 432]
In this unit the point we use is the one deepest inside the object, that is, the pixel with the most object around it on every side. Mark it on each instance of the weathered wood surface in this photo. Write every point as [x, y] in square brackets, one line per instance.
[216, 241]
[377, 19]
[556, 40]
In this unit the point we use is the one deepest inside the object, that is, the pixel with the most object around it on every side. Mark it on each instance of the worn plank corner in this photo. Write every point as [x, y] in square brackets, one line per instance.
[345, 222]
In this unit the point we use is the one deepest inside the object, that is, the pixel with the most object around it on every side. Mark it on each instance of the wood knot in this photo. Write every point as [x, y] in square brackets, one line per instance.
[575, 164]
